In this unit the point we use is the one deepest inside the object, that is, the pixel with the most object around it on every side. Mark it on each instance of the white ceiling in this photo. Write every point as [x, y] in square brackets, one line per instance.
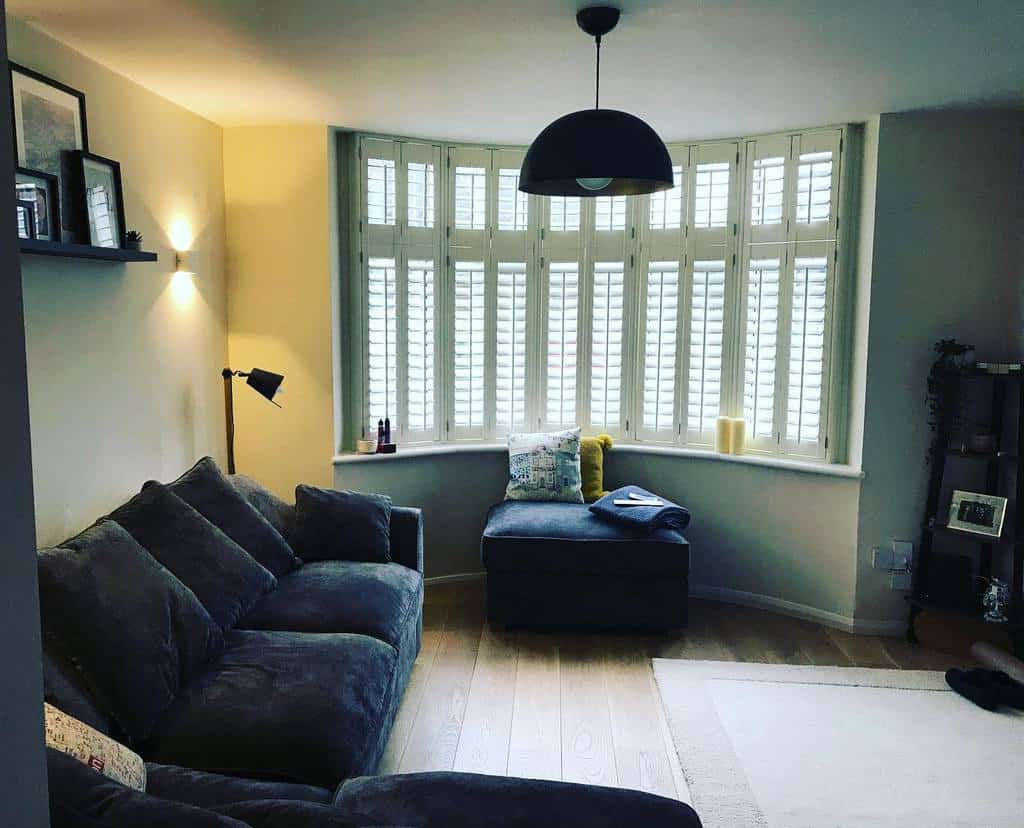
[497, 70]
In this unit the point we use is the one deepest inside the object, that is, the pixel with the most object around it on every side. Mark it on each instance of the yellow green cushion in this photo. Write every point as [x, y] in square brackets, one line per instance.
[592, 451]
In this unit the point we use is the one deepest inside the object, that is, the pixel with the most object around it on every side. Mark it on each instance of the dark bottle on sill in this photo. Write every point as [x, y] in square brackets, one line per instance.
[380, 436]
[387, 429]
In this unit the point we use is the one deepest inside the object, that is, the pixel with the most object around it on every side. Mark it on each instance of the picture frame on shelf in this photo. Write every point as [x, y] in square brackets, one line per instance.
[42, 189]
[94, 185]
[48, 119]
[26, 214]
[981, 514]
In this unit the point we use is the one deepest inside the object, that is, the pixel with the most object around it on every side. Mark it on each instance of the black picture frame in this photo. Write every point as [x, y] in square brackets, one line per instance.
[63, 88]
[26, 218]
[48, 225]
[76, 166]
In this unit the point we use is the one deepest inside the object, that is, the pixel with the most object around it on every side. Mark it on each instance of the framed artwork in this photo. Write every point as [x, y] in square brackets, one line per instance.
[94, 183]
[26, 220]
[981, 514]
[48, 117]
[43, 191]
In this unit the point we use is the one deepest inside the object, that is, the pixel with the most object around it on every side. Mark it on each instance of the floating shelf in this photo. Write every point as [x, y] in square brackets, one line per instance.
[977, 537]
[65, 250]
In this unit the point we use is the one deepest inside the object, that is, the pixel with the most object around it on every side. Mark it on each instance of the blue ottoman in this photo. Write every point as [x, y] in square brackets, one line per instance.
[558, 565]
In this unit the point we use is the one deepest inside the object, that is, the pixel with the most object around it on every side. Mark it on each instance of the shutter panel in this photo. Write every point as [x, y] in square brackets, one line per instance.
[510, 356]
[420, 336]
[762, 328]
[807, 349]
[661, 328]
[665, 209]
[766, 190]
[470, 198]
[564, 214]
[381, 196]
[420, 193]
[606, 345]
[610, 213]
[468, 346]
[563, 309]
[704, 369]
[513, 206]
[712, 191]
[382, 343]
[814, 187]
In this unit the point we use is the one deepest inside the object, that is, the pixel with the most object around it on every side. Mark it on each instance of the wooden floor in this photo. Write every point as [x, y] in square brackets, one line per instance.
[584, 707]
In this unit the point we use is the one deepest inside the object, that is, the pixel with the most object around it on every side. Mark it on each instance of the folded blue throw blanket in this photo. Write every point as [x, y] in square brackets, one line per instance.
[646, 518]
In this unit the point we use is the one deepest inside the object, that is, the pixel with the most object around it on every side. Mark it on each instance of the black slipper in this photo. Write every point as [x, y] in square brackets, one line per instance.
[1009, 692]
[974, 686]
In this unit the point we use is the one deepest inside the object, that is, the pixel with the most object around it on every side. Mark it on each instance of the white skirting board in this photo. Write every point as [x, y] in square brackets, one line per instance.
[859, 626]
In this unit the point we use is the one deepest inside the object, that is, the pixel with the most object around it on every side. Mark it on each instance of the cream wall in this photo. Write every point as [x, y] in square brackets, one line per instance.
[124, 360]
[278, 191]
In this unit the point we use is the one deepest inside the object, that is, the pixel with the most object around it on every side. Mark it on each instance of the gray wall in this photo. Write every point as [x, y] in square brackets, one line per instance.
[946, 263]
[23, 781]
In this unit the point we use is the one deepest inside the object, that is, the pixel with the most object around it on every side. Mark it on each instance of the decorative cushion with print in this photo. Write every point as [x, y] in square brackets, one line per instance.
[90, 747]
[545, 467]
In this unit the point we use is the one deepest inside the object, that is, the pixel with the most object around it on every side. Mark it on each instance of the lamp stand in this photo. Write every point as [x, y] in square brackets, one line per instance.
[229, 417]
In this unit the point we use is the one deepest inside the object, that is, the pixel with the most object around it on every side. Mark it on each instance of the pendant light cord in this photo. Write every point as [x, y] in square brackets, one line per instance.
[597, 82]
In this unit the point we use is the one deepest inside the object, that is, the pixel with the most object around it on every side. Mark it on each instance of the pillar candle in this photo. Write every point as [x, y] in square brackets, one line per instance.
[723, 435]
[737, 435]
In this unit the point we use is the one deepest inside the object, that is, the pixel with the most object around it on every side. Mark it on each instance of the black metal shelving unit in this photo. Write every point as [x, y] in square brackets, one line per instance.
[1002, 477]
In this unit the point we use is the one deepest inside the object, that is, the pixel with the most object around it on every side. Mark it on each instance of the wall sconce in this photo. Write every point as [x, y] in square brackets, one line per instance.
[181, 261]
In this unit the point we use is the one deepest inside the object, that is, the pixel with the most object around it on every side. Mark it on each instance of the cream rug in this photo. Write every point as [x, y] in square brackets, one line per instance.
[777, 746]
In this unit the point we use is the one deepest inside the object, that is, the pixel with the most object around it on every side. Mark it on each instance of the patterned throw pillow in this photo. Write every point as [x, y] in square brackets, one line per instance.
[544, 467]
[90, 747]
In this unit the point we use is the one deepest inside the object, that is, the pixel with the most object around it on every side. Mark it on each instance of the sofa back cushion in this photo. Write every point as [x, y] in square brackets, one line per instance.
[226, 579]
[65, 688]
[133, 630]
[207, 491]
[341, 525]
[82, 798]
[280, 515]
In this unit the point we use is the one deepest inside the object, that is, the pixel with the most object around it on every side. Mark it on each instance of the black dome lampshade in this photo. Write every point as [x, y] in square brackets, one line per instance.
[266, 383]
[596, 152]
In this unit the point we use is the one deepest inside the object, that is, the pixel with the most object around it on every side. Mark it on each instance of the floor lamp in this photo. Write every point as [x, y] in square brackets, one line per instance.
[266, 383]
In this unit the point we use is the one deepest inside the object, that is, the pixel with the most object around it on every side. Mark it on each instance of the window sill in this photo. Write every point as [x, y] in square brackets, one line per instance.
[434, 450]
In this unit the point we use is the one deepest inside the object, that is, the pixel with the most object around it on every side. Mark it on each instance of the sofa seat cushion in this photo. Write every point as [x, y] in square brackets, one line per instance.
[342, 596]
[298, 707]
[211, 790]
[567, 537]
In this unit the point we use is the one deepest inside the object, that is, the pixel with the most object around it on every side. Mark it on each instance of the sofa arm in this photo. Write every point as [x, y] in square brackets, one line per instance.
[407, 537]
[433, 800]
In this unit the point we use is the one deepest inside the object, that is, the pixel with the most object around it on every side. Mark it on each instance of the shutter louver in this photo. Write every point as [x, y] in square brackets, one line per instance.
[513, 206]
[814, 187]
[563, 306]
[564, 214]
[382, 345]
[420, 194]
[468, 397]
[666, 206]
[380, 191]
[661, 331]
[711, 192]
[762, 336]
[807, 350]
[610, 213]
[707, 321]
[606, 345]
[767, 183]
[510, 389]
[470, 198]
[420, 353]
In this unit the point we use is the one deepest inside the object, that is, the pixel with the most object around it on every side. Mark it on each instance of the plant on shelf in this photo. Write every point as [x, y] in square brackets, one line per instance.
[943, 387]
[133, 240]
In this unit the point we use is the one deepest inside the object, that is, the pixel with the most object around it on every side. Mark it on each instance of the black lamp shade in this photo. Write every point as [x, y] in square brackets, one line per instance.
[266, 383]
[596, 144]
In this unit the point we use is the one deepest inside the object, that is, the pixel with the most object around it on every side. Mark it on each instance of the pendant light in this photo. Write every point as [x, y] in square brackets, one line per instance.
[596, 152]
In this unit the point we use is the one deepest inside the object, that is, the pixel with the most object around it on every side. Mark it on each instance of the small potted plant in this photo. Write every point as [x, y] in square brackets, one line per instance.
[133, 240]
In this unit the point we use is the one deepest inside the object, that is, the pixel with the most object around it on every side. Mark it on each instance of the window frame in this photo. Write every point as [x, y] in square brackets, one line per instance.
[638, 244]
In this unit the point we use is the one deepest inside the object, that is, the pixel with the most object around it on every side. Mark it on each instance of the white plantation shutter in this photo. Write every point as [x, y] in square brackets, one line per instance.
[666, 206]
[814, 187]
[707, 325]
[712, 194]
[563, 308]
[380, 191]
[767, 183]
[610, 213]
[762, 328]
[420, 349]
[420, 194]
[510, 357]
[564, 214]
[468, 345]
[382, 342]
[606, 344]
[661, 330]
[807, 349]
[470, 198]
[513, 209]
